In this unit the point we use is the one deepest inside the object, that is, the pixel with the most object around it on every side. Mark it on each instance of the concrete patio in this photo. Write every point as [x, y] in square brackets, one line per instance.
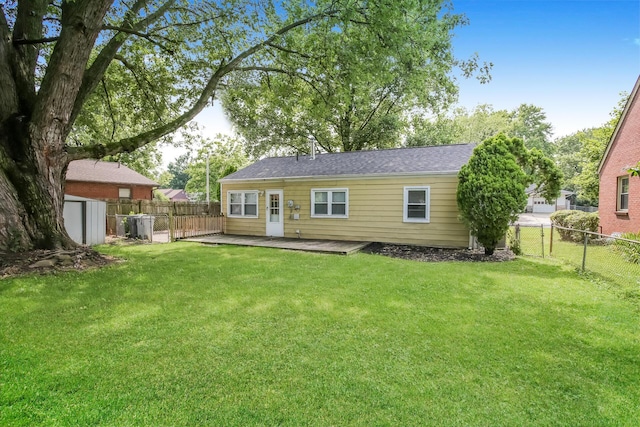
[327, 246]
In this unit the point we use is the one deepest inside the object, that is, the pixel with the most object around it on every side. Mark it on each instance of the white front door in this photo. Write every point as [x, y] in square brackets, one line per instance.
[275, 220]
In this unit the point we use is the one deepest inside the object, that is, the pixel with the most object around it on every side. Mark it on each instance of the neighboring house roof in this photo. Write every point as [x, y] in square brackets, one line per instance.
[439, 159]
[623, 118]
[105, 172]
[174, 194]
[531, 190]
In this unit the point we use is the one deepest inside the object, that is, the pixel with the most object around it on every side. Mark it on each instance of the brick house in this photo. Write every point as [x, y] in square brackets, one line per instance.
[174, 194]
[620, 193]
[107, 180]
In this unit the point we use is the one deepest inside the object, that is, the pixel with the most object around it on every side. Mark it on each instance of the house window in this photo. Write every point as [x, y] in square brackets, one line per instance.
[623, 193]
[332, 202]
[242, 204]
[124, 193]
[416, 204]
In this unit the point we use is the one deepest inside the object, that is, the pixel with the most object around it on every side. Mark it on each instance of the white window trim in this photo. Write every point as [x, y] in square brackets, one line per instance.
[330, 192]
[619, 193]
[243, 192]
[405, 207]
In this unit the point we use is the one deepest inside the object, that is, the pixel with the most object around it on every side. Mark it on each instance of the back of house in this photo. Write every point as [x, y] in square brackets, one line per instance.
[403, 196]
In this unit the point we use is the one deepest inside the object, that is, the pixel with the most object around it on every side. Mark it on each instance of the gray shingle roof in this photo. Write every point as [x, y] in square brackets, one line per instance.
[105, 172]
[399, 161]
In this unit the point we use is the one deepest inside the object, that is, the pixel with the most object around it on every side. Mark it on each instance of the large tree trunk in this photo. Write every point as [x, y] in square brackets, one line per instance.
[32, 177]
[35, 120]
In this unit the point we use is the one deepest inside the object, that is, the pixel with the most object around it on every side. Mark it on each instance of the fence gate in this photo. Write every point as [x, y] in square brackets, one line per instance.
[529, 239]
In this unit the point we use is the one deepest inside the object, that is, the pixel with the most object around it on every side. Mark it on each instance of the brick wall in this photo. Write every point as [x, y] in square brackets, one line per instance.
[96, 190]
[623, 153]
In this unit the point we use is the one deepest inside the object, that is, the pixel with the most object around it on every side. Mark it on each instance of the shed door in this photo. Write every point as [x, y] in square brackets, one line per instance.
[275, 221]
[73, 221]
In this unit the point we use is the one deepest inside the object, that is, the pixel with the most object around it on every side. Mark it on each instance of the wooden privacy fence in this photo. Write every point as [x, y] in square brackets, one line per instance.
[156, 207]
[163, 228]
[153, 207]
[186, 226]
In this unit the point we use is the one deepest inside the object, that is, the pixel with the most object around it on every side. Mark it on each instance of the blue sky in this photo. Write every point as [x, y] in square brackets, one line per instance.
[570, 57]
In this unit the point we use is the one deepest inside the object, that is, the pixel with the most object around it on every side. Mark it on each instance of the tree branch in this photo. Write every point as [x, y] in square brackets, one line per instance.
[266, 70]
[113, 119]
[8, 93]
[284, 49]
[188, 24]
[28, 25]
[134, 72]
[100, 150]
[145, 36]
[373, 111]
[95, 72]
[82, 21]
[20, 42]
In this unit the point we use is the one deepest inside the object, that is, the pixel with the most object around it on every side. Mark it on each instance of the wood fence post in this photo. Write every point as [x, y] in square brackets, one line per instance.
[171, 227]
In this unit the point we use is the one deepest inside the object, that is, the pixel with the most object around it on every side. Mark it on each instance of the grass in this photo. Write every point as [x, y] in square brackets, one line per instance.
[183, 334]
[601, 260]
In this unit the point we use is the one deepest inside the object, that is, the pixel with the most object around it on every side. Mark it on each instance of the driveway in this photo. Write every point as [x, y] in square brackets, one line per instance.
[535, 219]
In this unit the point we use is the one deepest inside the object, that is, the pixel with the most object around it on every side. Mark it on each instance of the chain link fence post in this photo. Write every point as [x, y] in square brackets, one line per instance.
[584, 253]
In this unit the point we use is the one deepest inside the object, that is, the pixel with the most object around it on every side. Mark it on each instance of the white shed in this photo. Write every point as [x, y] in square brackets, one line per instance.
[85, 220]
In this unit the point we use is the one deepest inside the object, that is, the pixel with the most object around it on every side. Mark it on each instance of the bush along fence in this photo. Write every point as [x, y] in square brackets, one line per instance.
[163, 228]
[615, 258]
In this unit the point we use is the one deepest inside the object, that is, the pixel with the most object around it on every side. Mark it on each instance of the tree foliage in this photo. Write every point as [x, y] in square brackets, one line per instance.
[95, 78]
[491, 188]
[527, 122]
[225, 155]
[348, 86]
[579, 155]
[178, 170]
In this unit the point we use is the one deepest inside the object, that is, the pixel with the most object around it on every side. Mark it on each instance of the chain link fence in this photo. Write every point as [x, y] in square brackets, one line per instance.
[613, 258]
[529, 240]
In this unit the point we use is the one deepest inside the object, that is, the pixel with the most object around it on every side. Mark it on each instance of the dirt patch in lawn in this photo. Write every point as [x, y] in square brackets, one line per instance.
[51, 261]
[426, 254]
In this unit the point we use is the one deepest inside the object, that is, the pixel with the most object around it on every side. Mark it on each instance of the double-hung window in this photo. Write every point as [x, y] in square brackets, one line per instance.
[623, 194]
[416, 204]
[330, 202]
[242, 204]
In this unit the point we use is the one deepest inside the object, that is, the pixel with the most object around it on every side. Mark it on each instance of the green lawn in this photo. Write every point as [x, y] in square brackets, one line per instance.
[601, 260]
[183, 334]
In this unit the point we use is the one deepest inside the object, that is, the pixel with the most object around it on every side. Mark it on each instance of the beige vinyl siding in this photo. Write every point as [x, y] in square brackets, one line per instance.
[375, 211]
[246, 225]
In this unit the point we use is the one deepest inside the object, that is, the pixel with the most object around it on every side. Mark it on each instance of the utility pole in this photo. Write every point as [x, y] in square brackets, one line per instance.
[208, 204]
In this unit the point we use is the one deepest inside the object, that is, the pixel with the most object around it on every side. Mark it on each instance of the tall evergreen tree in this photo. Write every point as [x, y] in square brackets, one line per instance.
[491, 188]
